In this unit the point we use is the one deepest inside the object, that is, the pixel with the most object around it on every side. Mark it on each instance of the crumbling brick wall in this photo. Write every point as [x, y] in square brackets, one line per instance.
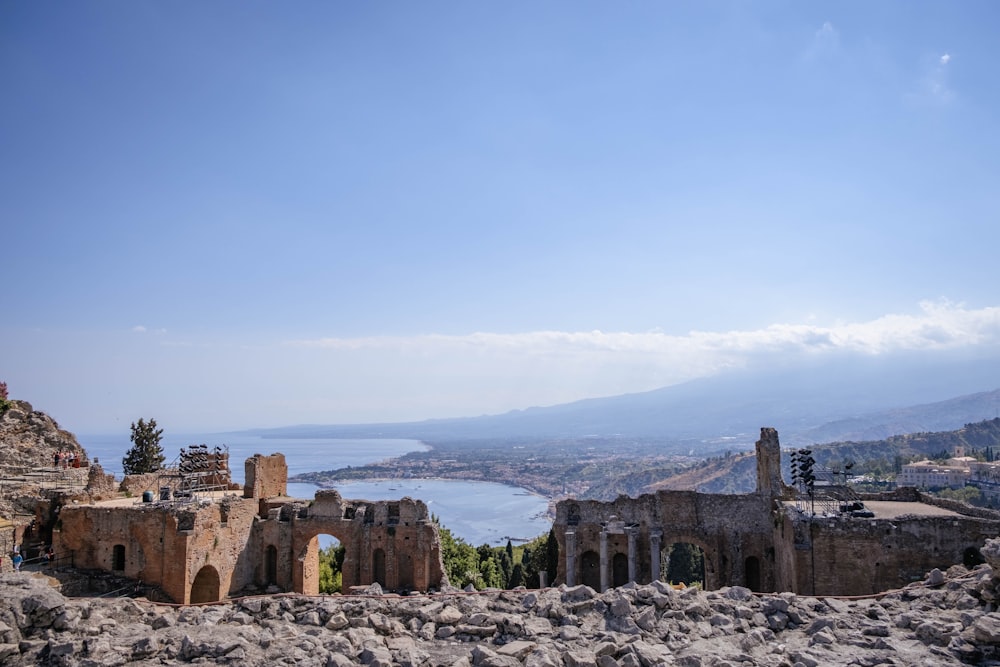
[857, 556]
[266, 476]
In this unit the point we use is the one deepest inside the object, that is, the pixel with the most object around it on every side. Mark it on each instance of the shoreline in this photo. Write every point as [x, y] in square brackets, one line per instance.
[381, 478]
[364, 480]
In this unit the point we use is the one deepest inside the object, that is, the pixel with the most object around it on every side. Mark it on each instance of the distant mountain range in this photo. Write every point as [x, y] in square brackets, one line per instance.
[842, 398]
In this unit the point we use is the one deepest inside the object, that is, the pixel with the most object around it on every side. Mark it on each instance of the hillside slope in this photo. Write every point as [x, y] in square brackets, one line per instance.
[29, 438]
[832, 395]
[737, 473]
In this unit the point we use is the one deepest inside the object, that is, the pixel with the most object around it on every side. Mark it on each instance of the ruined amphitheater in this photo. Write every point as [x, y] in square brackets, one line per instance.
[776, 575]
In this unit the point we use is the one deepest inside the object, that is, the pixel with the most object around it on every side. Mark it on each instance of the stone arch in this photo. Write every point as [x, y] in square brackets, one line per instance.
[206, 586]
[305, 565]
[709, 555]
[590, 570]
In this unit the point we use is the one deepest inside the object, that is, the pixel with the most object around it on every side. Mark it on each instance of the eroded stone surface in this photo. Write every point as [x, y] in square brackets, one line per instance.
[640, 626]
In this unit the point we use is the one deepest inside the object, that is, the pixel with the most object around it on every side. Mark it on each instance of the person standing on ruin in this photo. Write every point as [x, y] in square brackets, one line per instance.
[17, 559]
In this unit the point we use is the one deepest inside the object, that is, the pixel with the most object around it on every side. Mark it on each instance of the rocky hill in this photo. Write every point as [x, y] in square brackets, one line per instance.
[949, 619]
[29, 438]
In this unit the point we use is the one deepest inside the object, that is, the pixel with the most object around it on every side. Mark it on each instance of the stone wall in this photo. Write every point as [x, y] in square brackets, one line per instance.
[609, 544]
[855, 556]
[393, 543]
[203, 550]
[756, 541]
[266, 476]
[136, 485]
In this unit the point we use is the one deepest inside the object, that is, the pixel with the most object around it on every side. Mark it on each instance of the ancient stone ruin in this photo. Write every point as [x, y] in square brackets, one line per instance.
[206, 548]
[201, 538]
[765, 541]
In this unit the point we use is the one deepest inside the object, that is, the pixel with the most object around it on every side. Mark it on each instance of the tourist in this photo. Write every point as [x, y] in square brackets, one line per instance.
[17, 561]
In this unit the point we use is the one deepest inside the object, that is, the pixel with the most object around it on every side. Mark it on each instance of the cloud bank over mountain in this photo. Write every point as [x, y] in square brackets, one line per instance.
[97, 381]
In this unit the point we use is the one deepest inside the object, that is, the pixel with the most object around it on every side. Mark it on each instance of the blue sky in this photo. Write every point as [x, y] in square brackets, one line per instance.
[239, 214]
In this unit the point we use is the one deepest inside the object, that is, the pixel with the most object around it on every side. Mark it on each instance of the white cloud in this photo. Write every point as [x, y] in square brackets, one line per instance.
[937, 325]
[659, 358]
[214, 384]
[945, 59]
[139, 329]
[825, 43]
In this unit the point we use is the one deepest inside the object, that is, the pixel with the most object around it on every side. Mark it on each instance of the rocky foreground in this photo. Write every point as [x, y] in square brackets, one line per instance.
[950, 619]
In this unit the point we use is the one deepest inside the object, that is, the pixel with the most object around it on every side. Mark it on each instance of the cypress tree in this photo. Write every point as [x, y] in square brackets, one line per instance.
[146, 455]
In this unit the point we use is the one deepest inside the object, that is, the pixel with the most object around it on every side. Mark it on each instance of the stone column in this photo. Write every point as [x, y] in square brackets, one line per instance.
[654, 553]
[570, 558]
[633, 533]
[605, 584]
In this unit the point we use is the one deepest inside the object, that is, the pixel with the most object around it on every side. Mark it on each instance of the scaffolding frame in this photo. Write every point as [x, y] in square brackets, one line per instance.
[197, 471]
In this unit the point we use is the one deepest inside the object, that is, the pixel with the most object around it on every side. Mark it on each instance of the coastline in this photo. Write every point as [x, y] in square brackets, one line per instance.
[295, 479]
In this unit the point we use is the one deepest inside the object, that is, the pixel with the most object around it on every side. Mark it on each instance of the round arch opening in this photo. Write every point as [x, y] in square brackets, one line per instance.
[684, 562]
[206, 586]
[321, 561]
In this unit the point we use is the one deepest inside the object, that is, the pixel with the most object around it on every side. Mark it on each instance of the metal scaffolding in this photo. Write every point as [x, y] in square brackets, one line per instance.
[198, 470]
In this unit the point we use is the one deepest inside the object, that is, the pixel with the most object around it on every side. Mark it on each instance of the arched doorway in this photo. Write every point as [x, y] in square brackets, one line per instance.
[331, 564]
[378, 567]
[619, 570]
[683, 563]
[317, 568]
[590, 564]
[206, 586]
[751, 569]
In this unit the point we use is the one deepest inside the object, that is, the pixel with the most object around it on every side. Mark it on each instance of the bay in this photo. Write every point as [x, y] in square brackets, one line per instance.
[477, 512]
[301, 454]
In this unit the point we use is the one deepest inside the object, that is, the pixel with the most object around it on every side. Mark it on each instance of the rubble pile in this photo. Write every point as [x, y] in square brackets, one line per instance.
[949, 619]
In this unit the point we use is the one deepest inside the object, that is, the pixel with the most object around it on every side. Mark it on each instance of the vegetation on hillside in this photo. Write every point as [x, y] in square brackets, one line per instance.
[4, 398]
[146, 454]
[498, 567]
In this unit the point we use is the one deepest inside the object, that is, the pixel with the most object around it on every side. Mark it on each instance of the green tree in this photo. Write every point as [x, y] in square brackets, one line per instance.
[516, 577]
[146, 454]
[461, 560]
[967, 494]
[490, 571]
[331, 564]
[552, 556]
[686, 564]
[506, 567]
[4, 403]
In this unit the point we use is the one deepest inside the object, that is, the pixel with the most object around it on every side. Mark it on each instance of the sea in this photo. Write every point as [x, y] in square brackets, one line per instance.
[477, 512]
